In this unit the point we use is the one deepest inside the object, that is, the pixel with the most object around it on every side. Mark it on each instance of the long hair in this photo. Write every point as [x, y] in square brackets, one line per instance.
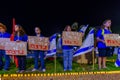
[102, 26]
[21, 31]
[65, 29]
[3, 26]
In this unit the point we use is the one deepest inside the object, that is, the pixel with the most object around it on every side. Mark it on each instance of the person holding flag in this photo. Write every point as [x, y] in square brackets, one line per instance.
[38, 53]
[4, 34]
[102, 48]
[19, 36]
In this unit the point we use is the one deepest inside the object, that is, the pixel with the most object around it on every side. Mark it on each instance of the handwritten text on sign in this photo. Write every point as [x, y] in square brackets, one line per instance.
[2, 42]
[38, 43]
[16, 48]
[112, 39]
[72, 38]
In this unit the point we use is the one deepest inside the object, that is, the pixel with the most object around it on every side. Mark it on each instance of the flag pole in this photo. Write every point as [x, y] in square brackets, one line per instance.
[93, 55]
[55, 60]
[12, 36]
[55, 63]
[14, 58]
[93, 58]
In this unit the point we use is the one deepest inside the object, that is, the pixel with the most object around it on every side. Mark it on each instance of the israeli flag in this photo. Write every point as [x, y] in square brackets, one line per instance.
[87, 45]
[117, 63]
[52, 46]
[83, 29]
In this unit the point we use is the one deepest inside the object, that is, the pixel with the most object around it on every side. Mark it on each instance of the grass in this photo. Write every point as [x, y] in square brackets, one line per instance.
[50, 66]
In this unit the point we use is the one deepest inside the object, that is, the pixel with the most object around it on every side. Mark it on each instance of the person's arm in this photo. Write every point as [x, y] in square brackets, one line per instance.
[98, 39]
[99, 34]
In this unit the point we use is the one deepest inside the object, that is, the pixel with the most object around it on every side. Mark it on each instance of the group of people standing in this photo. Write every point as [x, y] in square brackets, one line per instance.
[20, 35]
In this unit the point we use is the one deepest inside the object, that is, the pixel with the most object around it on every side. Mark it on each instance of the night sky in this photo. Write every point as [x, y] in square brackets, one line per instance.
[52, 16]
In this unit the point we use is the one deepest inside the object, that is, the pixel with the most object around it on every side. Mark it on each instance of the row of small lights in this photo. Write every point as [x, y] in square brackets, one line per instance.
[57, 74]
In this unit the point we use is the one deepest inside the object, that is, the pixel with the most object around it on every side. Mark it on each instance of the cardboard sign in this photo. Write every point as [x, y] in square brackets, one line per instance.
[38, 43]
[71, 38]
[16, 48]
[2, 43]
[112, 39]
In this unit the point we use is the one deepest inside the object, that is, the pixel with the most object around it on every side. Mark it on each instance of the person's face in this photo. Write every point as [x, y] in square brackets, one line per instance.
[16, 28]
[2, 29]
[68, 28]
[37, 30]
[108, 23]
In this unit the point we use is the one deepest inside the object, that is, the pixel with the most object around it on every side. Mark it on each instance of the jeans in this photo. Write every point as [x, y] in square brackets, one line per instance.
[36, 59]
[21, 62]
[7, 60]
[68, 57]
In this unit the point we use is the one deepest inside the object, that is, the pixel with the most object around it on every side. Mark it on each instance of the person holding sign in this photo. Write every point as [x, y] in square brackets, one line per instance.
[4, 34]
[102, 48]
[38, 53]
[67, 53]
[19, 36]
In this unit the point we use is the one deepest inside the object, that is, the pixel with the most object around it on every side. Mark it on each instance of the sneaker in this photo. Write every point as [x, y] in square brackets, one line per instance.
[17, 71]
[22, 71]
[70, 69]
[65, 70]
[34, 70]
[43, 70]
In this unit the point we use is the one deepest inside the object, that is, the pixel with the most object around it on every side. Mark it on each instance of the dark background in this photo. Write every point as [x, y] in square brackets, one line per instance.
[52, 16]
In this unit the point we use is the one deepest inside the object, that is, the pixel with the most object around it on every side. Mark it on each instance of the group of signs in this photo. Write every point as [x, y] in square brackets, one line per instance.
[37, 43]
[42, 43]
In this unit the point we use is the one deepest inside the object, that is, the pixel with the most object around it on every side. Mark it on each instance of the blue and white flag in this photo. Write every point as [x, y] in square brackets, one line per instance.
[87, 45]
[52, 46]
[83, 29]
[117, 63]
